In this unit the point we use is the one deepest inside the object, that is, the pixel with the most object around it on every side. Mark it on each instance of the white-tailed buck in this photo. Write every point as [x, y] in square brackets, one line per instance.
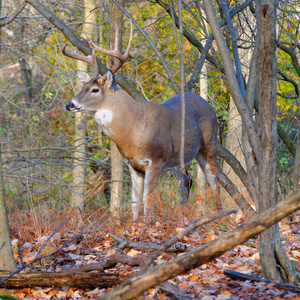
[147, 134]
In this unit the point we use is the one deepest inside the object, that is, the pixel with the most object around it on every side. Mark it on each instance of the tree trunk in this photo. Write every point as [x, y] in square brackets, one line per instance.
[116, 17]
[7, 261]
[296, 179]
[274, 261]
[235, 136]
[296, 187]
[117, 178]
[78, 172]
[201, 181]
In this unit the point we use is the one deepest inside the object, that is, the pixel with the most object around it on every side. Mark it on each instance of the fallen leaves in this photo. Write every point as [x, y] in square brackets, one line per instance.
[206, 282]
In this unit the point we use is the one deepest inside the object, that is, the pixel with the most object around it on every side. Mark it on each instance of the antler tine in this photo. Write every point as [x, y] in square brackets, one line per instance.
[76, 55]
[90, 59]
[115, 52]
[130, 41]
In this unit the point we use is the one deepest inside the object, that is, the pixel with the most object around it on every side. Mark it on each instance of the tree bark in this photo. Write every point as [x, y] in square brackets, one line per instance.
[79, 280]
[7, 261]
[236, 196]
[116, 158]
[78, 172]
[274, 261]
[296, 187]
[201, 184]
[136, 285]
[235, 129]
[116, 177]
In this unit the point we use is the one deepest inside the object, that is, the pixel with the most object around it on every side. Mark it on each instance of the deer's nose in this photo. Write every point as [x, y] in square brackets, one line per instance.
[69, 106]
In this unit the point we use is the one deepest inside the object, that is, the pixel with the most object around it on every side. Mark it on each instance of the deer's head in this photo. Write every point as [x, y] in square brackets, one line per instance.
[95, 88]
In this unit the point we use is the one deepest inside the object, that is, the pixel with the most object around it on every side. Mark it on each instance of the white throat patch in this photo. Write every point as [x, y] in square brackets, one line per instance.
[104, 117]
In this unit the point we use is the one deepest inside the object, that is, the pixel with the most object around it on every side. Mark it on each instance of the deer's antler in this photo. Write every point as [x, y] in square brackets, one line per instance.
[90, 59]
[115, 52]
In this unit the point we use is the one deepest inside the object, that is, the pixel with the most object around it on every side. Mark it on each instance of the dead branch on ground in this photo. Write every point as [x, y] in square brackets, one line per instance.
[137, 284]
[111, 261]
[146, 246]
[240, 276]
[167, 244]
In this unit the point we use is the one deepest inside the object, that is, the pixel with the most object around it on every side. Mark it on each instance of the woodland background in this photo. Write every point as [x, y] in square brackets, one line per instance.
[40, 149]
[37, 133]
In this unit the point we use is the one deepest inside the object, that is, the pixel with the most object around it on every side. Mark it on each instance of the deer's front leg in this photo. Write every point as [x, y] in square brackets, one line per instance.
[137, 180]
[151, 178]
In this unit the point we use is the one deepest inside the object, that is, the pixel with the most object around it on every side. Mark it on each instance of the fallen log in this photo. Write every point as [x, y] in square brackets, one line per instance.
[61, 279]
[137, 284]
[110, 262]
[244, 277]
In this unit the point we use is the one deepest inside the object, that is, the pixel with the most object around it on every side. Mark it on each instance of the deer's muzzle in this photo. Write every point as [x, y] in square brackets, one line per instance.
[71, 106]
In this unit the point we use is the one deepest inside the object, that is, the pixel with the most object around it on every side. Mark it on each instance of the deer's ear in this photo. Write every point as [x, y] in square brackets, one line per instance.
[83, 76]
[111, 81]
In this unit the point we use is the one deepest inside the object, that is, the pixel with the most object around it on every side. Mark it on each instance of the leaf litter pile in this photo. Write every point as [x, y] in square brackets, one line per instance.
[94, 246]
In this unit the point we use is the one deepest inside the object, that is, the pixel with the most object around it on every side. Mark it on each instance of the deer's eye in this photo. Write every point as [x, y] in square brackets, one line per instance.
[95, 90]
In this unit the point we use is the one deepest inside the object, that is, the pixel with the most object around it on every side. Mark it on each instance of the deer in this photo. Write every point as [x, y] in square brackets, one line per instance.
[147, 134]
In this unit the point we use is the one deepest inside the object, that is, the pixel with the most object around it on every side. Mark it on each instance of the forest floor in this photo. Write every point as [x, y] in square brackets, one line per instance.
[30, 231]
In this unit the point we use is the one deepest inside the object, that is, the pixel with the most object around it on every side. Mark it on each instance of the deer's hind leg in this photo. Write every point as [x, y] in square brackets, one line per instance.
[206, 158]
[185, 183]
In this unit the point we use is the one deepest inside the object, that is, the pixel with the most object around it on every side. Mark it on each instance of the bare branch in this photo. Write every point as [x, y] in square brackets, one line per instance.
[239, 170]
[236, 195]
[81, 45]
[8, 19]
[293, 56]
[231, 77]
[158, 53]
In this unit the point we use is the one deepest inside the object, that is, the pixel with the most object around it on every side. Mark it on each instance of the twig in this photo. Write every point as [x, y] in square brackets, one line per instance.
[8, 19]
[158, 53]
[173, 292]
[167, 244]
[47, 255]
[51, 235]
[150, 246]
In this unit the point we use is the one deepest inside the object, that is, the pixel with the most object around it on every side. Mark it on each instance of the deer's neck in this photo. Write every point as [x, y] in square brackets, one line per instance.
[118, 113]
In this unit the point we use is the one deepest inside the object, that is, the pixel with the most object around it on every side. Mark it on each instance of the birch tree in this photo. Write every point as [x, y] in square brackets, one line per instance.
[78, 172]
[116, 17]
[7, 261]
